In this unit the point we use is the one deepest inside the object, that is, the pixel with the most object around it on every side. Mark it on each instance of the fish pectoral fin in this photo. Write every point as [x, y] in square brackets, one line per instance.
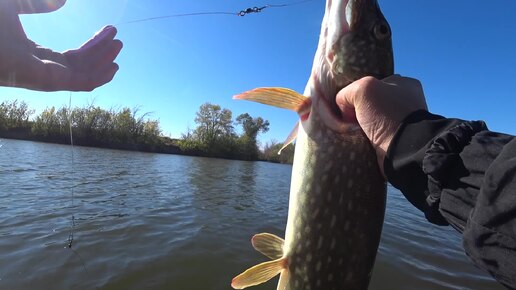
[268, 244]
[281, 98]
[291, 137]
[259, 274]
[277, 97]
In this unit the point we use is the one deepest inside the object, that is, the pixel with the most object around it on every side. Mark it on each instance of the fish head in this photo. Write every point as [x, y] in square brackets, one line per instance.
[358, 41]
[355, 42]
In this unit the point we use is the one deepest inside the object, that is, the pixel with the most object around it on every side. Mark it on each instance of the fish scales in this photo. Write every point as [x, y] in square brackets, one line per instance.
[337, 195]
[337, 222]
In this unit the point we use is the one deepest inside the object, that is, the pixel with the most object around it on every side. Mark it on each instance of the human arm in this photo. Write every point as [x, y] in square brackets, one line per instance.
[455, 171]
[25, 64]
[459, 173]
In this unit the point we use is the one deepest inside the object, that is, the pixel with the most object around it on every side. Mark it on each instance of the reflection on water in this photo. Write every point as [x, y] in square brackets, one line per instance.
[218, 183]
[150, 221]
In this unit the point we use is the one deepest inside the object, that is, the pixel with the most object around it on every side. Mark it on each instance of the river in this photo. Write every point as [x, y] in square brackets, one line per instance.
[154, 221]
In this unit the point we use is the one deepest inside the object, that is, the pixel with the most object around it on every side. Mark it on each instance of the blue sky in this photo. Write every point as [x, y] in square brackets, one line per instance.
[463, 52]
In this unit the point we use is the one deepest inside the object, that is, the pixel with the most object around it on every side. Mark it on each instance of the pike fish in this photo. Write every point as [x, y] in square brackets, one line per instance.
[337, 194]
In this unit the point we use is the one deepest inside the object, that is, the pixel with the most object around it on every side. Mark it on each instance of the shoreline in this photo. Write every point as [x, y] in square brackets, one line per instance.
[163, 148]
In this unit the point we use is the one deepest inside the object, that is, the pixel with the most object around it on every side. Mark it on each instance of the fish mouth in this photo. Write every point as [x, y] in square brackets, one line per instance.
[356, 42]
[345, 22]
[339, 21]
[340, 17]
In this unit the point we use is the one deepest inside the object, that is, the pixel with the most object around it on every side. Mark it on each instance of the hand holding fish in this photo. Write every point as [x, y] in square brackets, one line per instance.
[380, 106]
[25, 64]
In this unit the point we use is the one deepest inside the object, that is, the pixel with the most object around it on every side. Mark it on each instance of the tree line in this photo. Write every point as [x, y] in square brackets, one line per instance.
[91, 126]
[214, 136]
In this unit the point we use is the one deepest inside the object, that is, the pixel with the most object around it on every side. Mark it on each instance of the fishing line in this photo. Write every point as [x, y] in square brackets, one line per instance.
[72, 225]
[241, 13]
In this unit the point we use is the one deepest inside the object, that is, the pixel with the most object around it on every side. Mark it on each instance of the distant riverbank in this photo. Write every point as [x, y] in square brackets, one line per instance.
[164, 145]
[127, 129]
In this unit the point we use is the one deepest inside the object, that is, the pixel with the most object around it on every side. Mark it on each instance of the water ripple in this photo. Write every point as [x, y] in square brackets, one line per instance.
[149, 221]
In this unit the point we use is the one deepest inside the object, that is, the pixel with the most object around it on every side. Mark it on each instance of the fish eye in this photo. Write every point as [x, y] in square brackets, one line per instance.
[382, 31]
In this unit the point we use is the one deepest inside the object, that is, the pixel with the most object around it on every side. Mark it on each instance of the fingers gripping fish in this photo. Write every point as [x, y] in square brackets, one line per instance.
[337, 194]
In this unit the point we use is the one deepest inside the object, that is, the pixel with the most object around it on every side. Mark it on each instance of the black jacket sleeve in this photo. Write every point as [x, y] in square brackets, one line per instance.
[459, 173]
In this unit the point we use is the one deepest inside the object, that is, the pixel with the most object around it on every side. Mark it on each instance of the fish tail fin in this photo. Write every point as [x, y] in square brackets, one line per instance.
[259, 274]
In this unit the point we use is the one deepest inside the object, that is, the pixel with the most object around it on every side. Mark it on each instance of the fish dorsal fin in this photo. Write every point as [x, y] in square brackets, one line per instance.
[268, 244]
[259, 274]
[278, 97]
[291, 137]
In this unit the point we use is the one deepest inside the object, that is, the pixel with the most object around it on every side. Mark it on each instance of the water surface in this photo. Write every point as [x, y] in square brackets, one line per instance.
[153, 221]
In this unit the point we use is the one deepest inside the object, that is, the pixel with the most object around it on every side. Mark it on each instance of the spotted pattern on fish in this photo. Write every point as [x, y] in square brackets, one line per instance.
[320, 265]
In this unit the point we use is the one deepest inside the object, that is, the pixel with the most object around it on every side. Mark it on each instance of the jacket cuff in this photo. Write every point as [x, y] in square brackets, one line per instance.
[404, 161]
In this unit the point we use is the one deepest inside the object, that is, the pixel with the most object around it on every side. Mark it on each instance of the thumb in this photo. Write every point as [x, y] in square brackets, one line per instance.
[350, 98]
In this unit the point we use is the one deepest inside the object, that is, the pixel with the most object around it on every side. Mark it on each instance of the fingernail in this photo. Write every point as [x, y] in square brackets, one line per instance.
[106, 30]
